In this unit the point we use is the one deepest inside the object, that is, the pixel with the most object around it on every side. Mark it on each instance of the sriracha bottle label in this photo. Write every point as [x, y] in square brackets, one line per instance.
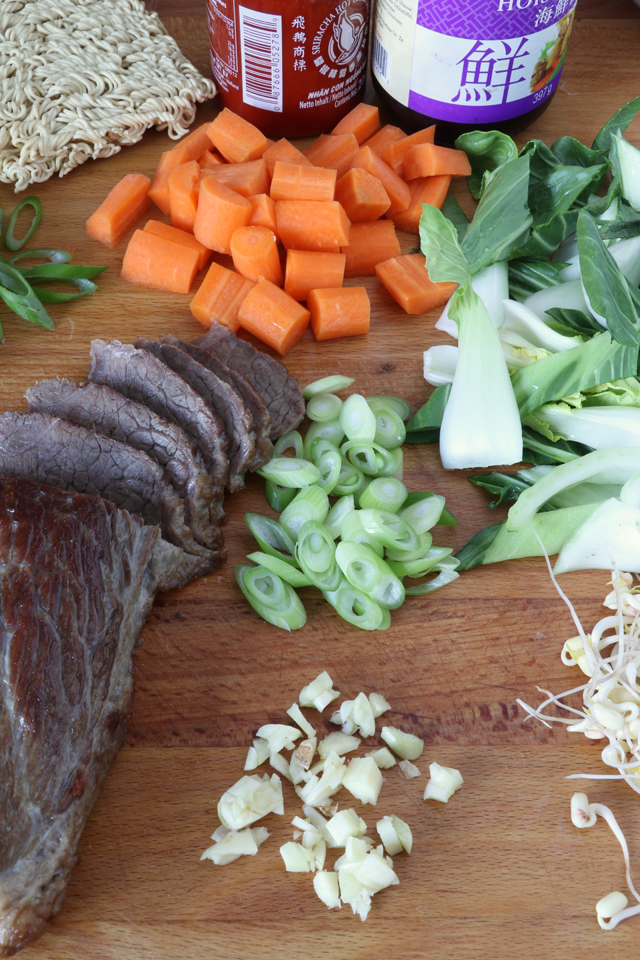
[471, 61]
[291, 67]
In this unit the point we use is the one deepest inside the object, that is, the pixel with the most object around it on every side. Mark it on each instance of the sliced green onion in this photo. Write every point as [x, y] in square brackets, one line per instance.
[385, 623]
[288, 441]
[390, 430]
[352, 530]
[349, 480]
[10, 238]
[311, 503]
[447, 519]
[424, 514]
[319, 447]
[329, 466]
[61, 271]
[327, 385]
[273, 539]
[389, 530]
[278, 497]
[398, 404]
[283, 570]
[366, 571]
[418, 568]
[324, 407]
[357, 419]
[372, 459]
[52, 254]
[406, 556]
[290, 472]
[447, 568]
[333, 520]
[54, 296]
[384, 493]
[329, 431]
[355, 607]
[316, 554]
[398, 473]
[273, 599]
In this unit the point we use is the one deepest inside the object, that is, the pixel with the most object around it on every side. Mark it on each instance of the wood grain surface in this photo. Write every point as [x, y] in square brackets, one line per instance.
[499, 871]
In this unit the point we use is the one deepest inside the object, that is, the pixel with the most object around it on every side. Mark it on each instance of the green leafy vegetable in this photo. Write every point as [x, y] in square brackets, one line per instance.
[528, 276]
[502, 485]
[617, 124]
[487, 150]
[424, 427]
[452, 210]
[540, 450]
[604, 284]
[577, 320]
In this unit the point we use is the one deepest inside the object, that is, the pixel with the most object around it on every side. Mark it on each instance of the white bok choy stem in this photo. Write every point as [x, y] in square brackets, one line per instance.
[609, 538]
[520, 319]
[492, 286]
[440, 364]
[597, 427]
[481, 423]
[563, 296]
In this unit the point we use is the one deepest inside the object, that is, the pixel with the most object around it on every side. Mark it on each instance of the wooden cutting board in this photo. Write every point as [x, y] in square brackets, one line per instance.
[499, 871]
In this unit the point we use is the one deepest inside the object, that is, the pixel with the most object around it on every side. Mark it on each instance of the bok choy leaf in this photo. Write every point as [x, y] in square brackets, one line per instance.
[486, 150]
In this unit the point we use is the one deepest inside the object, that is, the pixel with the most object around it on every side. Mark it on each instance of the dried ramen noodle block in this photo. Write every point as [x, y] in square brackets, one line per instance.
[82, 78]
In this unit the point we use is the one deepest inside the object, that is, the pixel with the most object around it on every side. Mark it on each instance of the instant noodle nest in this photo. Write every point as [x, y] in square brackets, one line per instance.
[82, 78]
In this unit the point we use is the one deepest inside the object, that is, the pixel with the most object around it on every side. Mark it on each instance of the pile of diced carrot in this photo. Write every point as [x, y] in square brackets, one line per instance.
[295, 224]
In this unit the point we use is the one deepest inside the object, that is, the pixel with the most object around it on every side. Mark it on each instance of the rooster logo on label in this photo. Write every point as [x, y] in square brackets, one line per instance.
[348, 32]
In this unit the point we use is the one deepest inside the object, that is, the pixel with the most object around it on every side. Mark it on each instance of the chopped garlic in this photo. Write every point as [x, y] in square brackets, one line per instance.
[340, 743]
[408, 769]
[318, 789]
[319, 693]
[257, 754]
[395, 834]
[279, 763]
[383, 758]
[378, 704]
[359, 713]
[280, 736]
[299, 859]
[233, 844]
[405, 745]
[298, 717]
[443, 783]
[362, 874]
[326, 886]
[250, 799]
[363, 779]
[315, 817]
[346, 824]
[304, 752]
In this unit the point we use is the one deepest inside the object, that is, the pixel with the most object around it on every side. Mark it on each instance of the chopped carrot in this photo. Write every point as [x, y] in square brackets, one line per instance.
[194, 144]
[394, 154]
[270, 143]
[292, 181]
[184, 187]
[220, 212]
[312, 224]
[263, 213]
[157, 262]
[384, 138]
[209, 159]
[362, 195]
[370, 243]
[363, 121]
[122, 207]
[255, 254]
[246, 179]
[397, 190]
[285, 151]
[179, 236]
[339, 312]
[427, 160]
[273, 316]
[219, 297]
[189, 148]
[334, 152]
[236, 139]
[307, 270]
[432, 190]
[407, 280]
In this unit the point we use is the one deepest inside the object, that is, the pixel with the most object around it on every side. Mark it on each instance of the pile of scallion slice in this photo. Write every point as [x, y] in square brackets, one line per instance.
[352, 452]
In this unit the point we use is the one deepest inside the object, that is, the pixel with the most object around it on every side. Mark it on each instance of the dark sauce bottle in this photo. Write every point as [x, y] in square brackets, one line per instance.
[469, 64]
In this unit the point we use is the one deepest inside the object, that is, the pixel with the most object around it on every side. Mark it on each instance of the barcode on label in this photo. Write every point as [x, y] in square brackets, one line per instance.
[261, 52]
[380, 57]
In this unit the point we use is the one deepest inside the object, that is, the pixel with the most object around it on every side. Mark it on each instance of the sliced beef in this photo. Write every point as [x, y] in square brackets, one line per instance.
[77, 580]
[49, 450]
[142, 377]
[280, 391]
[222, 398]
[101, 408]
[255, 404]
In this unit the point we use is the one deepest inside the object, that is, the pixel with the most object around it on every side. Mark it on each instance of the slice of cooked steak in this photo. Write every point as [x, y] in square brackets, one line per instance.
[142, 377]
[77, 580]
[66, 455]
[281, 391]
[253, 401]
[100, 408]
[222, 398]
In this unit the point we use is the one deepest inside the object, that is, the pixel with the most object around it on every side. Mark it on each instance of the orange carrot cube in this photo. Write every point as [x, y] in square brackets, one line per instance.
[407, 280]
[293, 181]
[285, 151]
[122, 207]
[427, 160]
[219, 297]
[394, 153]
[397, 190]
[384, 138]
[312, 224]
[236, 139]
[363, 121]
[209, 159]
[220, 212]
[184, 188]
[273, 316]
[369, 244]
[362, 195]
[154, 261]
[431, 190]
[333, 152]
[307, 270]
[263, 211]
[341, 312]
[255, 254]
[179, 236]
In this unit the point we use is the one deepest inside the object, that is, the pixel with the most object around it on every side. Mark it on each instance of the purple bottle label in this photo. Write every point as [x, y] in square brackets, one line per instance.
[480, 62]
